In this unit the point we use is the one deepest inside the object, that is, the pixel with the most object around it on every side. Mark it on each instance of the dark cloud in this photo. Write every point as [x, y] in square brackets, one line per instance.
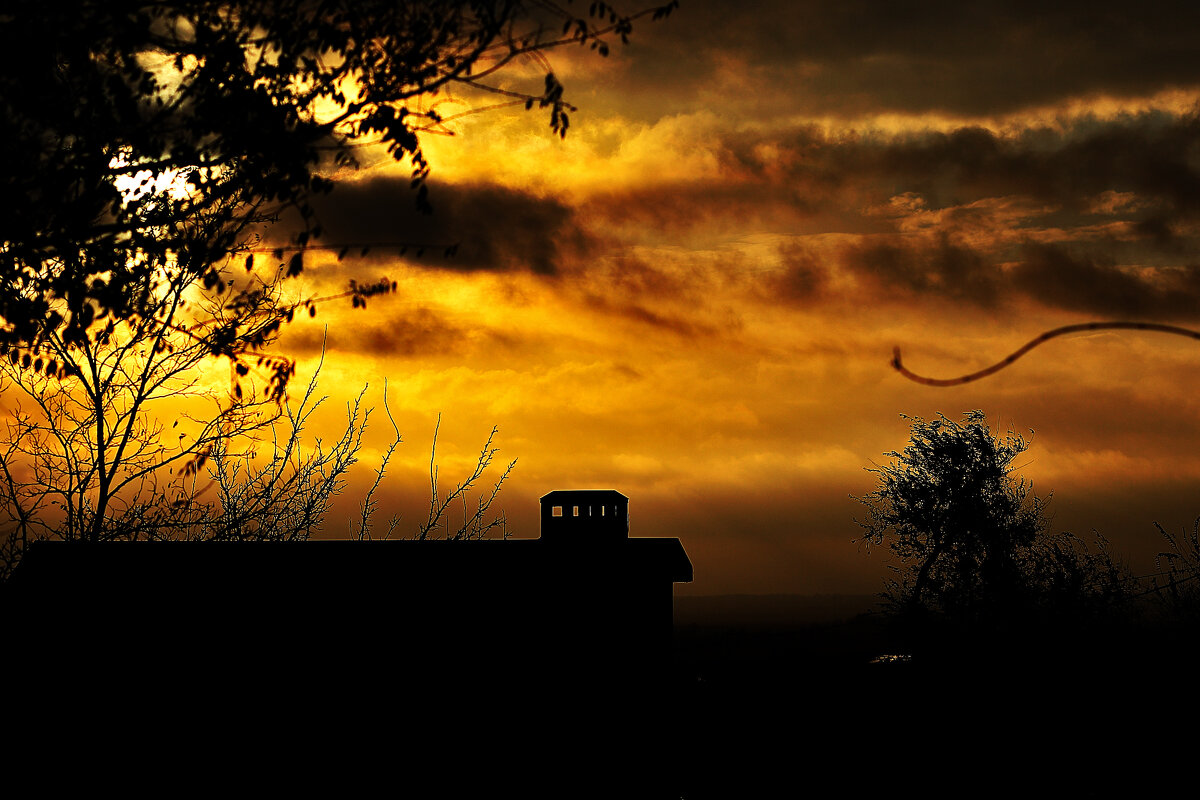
[960, 56]
[681, 298]
[941, 267]
[949, 214]
[494, 227]
[406, 333]
[1153, 155]
[639, 279]
[810, 180]
[675, 208]
[803, 277]
[622, 307]
[944, 214]
[1059, 278]
[1132, 419]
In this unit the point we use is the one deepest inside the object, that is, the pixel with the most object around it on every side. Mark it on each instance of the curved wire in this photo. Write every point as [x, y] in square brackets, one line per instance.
[1045, 337]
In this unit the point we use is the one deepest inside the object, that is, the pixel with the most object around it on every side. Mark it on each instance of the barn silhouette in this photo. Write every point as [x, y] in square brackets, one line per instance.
[532, 667]
[584, 597]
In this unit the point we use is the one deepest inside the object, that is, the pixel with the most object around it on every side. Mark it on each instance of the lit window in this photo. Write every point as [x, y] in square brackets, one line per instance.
[556, 511]
[576, 510]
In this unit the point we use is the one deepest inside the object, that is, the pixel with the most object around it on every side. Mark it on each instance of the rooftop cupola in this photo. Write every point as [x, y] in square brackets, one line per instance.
[585, 515]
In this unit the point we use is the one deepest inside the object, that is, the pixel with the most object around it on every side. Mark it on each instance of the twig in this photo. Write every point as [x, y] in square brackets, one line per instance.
[1045, 337]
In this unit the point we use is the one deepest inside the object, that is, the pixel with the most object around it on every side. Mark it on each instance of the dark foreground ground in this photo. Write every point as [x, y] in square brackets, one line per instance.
[792, 697]
[764, 698]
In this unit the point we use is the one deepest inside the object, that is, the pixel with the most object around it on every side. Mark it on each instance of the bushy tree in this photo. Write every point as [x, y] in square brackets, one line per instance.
[971, 538]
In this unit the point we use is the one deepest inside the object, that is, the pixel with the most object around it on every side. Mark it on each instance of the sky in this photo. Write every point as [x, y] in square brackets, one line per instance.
[693, 298]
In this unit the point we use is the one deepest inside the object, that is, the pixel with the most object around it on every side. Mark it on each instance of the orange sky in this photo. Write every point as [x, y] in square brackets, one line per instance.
[693, 298]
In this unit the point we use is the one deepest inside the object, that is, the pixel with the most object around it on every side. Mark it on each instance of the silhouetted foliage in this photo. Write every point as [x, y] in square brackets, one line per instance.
[474, 523]
[282, 490]
[972, 539]
[84, 456]
[274, 486]
[1177, 583]
[149, 137]
[86, 464]
[146, 146]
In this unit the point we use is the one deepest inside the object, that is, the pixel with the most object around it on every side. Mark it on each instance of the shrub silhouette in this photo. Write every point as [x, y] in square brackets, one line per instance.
[971, 539]
[1176, 584]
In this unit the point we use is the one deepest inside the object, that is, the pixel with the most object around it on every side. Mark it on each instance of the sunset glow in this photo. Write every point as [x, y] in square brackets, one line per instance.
[690, 400]
[693, 298]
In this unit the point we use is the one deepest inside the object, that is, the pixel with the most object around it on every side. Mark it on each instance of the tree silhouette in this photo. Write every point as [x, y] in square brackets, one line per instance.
[949, 510]
[79, 463]
[972, 539]
[285, 493]
[85, 456]
[147, 146]
[140, 137]
[475, 523]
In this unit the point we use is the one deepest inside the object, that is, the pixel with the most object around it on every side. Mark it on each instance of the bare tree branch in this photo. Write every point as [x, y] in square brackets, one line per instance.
[1045, 337]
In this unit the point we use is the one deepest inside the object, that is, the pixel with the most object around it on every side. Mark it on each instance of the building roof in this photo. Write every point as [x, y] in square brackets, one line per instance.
[355, 564]
[551, 616]
[563, 494]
